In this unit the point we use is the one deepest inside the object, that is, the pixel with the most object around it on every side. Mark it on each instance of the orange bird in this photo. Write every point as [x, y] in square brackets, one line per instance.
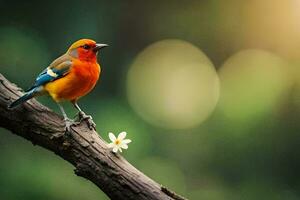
[69, 77]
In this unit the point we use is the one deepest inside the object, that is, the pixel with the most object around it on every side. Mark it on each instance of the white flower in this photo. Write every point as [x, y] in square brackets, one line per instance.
[118, 143]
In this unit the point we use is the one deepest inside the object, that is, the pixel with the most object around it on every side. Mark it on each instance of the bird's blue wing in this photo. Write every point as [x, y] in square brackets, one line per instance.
[57, 69]
[52, 73]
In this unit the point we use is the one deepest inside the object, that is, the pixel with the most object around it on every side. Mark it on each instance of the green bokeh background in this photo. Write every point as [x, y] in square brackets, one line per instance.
[242, 151]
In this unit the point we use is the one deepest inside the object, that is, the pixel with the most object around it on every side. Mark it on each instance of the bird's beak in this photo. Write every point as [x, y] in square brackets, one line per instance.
[99, 46]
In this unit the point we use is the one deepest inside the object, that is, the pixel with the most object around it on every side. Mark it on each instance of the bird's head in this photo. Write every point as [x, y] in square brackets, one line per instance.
[85, 49]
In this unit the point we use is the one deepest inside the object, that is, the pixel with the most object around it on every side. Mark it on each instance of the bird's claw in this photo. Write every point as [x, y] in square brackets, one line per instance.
[88, 118]
[69, 123]
[91, 124]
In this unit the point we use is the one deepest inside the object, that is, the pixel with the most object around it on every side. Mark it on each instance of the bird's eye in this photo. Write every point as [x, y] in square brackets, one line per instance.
[86, 46]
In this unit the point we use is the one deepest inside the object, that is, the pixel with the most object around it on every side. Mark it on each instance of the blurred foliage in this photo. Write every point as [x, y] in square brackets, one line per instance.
[245, 147]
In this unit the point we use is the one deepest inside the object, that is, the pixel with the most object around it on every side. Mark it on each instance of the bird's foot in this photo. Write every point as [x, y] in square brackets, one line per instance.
[69, 123]
[88, 118]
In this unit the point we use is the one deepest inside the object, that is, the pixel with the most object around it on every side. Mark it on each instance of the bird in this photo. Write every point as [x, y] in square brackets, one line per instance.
[68, 78]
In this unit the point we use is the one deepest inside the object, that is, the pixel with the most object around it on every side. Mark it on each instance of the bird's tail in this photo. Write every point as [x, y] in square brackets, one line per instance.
[28, 95]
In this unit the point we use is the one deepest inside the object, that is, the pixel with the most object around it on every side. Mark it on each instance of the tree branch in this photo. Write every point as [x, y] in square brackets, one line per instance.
[83, 148]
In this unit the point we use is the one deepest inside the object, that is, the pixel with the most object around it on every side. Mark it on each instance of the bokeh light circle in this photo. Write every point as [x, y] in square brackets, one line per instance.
[172, 84]
[253, 83]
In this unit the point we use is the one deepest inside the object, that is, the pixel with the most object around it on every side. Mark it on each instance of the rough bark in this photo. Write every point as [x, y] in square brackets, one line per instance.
[82, 147]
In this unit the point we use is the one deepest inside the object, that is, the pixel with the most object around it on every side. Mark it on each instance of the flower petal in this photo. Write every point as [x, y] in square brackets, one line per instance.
[120, 149]
[115, 149]
[124, 146]
[111, 145]
[126, 141]
[122, 135]
[112, 137]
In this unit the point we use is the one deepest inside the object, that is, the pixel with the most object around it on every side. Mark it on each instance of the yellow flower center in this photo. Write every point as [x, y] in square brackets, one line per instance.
[117, 141]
